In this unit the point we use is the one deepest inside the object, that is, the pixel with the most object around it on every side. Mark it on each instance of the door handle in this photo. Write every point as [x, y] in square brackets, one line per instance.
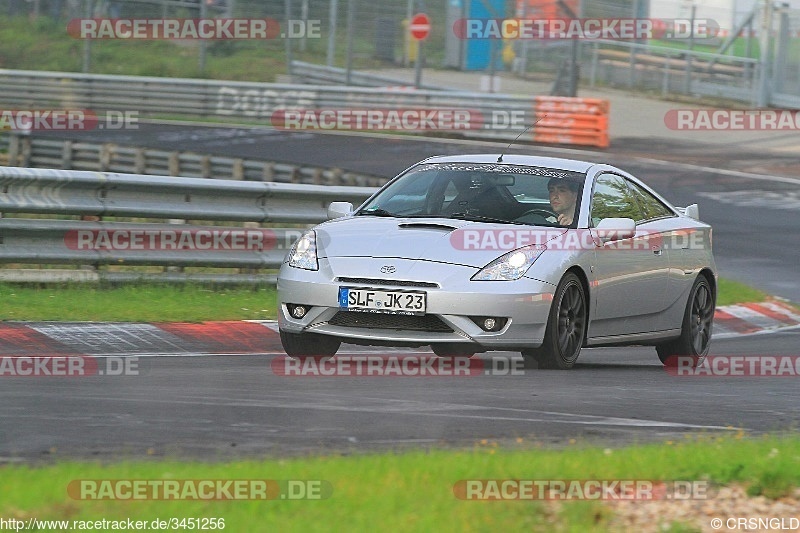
[658, 251]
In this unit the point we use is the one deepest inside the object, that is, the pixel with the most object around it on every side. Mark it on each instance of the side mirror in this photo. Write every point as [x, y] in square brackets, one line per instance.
[615, 229]
[692, 211]
[339, 209]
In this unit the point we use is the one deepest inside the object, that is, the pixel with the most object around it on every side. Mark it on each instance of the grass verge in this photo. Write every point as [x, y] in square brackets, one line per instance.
[189, 303]
[731, 292]
[136, 303]
[413, 491]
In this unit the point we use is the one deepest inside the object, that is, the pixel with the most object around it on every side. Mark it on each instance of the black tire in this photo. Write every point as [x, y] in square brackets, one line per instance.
[309, 344]
[566, 327]
[698, 319]
[451, 349]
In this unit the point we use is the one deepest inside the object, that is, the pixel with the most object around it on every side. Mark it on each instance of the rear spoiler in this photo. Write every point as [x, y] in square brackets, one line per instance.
[692, 211]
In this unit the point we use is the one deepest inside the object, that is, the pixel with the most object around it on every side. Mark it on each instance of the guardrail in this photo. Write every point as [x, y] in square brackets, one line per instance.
[94, 196]
[502, 116]
[312, 73]
[27, 151]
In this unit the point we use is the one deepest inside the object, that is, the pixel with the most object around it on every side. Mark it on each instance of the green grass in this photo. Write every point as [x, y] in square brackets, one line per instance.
[45, 45]
[732, 292]
[136, 303]
[413, 491]
[168, 303]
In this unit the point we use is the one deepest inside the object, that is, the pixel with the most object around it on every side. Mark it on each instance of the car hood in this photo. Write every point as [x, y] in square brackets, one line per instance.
[441, 240]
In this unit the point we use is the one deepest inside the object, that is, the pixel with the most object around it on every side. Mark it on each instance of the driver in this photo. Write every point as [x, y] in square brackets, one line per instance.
[563, 197]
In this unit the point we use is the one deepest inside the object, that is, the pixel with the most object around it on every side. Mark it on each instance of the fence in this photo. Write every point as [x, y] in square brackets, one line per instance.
[90, 239]
[313, 74]
[673, 71]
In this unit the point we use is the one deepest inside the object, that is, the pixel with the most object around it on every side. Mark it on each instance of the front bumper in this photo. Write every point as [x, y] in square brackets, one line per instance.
[524, 302]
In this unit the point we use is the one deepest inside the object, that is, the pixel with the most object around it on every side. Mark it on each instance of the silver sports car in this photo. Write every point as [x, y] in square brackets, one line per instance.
[473, 253]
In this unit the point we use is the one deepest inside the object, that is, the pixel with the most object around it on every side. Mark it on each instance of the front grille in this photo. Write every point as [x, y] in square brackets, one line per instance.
[360, 319]
[394, 282]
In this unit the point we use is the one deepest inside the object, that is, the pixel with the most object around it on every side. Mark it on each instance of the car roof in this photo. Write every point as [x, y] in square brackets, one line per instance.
[573, 165]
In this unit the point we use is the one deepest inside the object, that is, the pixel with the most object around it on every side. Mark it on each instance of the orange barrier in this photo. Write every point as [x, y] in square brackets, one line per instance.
[567, 120]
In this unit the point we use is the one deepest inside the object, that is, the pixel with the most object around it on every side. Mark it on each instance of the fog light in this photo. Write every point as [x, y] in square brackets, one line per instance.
[298, 311]
[490, 323]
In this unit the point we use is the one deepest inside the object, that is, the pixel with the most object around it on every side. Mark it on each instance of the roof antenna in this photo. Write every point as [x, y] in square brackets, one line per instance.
[500, 158]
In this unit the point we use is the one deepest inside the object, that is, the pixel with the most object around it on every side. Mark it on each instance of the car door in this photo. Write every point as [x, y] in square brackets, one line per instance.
[630, 275]
[677, 243]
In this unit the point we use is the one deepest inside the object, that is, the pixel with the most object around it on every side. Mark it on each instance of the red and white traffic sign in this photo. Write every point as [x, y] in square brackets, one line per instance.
[420, 26]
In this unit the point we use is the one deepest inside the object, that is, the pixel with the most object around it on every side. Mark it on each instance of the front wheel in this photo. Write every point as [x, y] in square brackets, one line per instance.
[309, 344]
[566, 327]
[698, 320]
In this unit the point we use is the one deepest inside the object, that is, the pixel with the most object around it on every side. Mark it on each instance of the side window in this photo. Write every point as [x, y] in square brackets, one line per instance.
[613, 199]
[651, 206]
[408, 196]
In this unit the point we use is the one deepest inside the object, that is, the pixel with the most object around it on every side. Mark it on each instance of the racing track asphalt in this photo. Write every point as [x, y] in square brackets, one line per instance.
[218, 407]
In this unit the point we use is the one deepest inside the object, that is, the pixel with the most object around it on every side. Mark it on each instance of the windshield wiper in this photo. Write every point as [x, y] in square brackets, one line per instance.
[481, 218]
[377, 212]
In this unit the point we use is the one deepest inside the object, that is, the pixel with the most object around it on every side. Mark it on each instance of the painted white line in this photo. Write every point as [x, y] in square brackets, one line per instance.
[789, 200]
[724, 172]
[413, 408]
[599, 421]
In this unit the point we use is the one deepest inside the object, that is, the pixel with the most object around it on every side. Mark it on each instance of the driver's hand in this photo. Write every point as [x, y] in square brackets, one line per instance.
[564, 220]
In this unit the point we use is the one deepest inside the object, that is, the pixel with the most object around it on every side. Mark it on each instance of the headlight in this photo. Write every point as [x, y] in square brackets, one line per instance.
[510, 266]
[304, 252]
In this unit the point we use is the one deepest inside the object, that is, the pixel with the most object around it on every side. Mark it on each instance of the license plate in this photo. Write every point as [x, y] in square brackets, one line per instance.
[380, 301]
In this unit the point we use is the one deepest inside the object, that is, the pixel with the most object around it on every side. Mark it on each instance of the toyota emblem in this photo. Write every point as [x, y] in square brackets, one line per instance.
[388, 269]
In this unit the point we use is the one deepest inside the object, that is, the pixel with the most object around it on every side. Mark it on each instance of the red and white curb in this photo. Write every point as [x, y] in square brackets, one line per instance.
[749, 318]
[244, 337]
[109, 339]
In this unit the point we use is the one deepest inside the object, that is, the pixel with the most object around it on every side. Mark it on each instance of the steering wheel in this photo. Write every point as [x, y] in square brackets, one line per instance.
[544, 213]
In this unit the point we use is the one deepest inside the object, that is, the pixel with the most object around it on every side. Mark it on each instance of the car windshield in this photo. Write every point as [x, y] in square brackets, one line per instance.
[512, 194]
